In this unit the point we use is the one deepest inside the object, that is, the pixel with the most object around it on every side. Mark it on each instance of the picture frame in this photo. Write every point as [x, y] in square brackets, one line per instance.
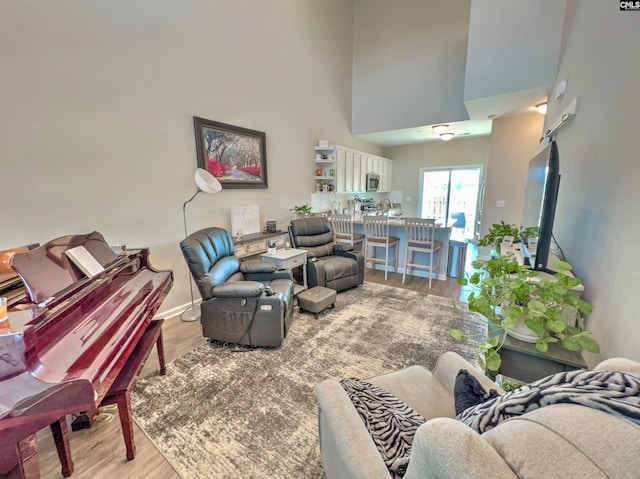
[236, 156]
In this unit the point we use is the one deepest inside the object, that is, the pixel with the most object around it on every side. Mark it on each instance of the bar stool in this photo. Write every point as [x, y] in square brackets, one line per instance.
[376, 232]
[420, 237]
[342, 227]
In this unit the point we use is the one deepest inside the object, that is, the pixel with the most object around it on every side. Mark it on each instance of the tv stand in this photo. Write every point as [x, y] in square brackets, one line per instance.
[523, 362]
[542, 274]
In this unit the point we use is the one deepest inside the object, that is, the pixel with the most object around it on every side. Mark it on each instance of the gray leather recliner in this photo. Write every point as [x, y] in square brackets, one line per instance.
[330, 265]
[248, 302]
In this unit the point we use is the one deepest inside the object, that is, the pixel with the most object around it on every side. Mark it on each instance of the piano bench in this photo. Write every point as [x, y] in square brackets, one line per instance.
[119, 393]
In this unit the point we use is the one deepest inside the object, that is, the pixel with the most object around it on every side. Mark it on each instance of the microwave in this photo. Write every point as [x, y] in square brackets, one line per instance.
[373, 182]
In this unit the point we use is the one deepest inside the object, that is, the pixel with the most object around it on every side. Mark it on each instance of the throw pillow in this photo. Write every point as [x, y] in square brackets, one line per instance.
[468, 391]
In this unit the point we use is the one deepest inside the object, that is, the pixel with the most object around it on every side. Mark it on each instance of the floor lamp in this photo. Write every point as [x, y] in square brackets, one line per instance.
[206, 183]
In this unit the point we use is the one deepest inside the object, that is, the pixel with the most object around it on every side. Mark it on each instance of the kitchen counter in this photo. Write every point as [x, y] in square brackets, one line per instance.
[396, 228]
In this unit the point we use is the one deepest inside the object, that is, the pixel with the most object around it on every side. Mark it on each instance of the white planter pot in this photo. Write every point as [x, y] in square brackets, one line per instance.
[522, 332]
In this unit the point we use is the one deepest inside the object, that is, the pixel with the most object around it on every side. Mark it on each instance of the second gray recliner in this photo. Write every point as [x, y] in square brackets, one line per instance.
[332, 266]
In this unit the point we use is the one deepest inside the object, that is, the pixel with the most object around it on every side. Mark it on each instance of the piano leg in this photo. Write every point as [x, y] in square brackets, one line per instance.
[20, 461]
[126, 421]
[60, 432]
[160, 349]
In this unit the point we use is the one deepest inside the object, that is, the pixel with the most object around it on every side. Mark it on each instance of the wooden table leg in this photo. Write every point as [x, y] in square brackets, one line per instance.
[60, 431]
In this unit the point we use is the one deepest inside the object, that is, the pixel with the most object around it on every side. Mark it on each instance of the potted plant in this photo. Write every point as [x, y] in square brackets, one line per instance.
[301, 211]
[505, 294]
[496, 235]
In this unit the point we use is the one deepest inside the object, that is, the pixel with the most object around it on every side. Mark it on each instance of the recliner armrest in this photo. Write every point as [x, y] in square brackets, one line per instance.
[347, 253]
[258, 266]
[447, 369]
[342, 248]
[238, 289]
[446, 448]
[277, 274]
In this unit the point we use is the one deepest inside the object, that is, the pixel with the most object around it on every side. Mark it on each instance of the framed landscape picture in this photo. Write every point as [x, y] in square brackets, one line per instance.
[236, 156]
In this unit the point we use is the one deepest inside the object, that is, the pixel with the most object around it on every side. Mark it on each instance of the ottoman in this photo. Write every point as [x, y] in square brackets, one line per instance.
[316, 299]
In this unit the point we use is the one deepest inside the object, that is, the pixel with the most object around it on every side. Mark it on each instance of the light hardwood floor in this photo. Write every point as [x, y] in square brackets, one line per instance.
[99, 452]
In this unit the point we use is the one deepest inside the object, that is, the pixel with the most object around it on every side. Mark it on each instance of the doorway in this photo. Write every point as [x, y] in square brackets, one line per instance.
[451, 196]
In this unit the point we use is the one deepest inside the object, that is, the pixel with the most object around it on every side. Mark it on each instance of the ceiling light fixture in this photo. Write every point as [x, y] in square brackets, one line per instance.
[447, 136]
[542, 107]
[440, 128]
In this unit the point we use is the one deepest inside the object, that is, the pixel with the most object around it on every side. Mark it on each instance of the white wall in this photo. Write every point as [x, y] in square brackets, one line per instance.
[514, 141]
[596, 222]
[513, 46]
[98, 99]
[409, 159]
[409, 61]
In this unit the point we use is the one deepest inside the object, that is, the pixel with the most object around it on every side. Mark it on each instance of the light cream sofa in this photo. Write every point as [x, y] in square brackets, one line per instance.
[559, 441]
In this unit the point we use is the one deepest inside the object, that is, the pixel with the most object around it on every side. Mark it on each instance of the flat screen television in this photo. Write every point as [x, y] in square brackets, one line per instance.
[540, 197]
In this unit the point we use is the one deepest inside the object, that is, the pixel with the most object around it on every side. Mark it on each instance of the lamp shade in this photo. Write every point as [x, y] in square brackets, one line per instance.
[206, 182]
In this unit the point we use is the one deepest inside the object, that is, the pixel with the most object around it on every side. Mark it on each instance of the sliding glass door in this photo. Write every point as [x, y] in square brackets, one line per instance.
[451, 196]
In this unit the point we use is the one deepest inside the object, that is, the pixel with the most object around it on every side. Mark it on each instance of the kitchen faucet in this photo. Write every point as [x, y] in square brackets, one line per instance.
[387, 202]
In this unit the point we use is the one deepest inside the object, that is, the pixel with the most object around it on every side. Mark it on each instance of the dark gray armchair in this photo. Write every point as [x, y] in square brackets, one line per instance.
[247, 302]
[332, 266]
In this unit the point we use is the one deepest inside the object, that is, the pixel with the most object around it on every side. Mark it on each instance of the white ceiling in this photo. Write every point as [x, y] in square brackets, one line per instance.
[484, 110]
[408, 136]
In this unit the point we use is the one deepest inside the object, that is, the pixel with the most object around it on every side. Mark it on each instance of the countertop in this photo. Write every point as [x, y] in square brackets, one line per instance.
[396, 221]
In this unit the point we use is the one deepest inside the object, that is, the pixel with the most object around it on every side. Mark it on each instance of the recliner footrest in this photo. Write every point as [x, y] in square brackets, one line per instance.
[317, 299]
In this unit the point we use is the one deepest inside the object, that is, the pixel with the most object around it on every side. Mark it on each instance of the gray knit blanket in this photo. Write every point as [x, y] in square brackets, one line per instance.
[614, 392]
[392, 424]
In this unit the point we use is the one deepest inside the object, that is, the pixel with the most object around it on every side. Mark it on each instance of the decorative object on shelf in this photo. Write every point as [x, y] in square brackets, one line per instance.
[301, 211]
[505, 296]
[206, 183]
[323, 144]
[318, 171]
[236, 156]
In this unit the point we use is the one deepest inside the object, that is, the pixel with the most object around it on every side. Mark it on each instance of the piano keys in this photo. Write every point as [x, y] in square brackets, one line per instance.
[71, 337]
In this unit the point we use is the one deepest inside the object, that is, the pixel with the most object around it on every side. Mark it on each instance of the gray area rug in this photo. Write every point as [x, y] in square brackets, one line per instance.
[224, 414]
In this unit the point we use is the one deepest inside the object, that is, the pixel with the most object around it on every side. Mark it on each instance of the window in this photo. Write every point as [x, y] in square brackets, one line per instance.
[451, 196]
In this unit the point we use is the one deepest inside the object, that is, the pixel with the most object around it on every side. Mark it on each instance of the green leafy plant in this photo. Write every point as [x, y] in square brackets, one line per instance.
[505, 293]
[304, 210]
[529, 232]
[509, 384]
[496, 235]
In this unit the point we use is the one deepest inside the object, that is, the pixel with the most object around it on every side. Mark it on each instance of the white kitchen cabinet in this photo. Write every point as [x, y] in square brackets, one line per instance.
[351, 168]
[386, 168]
[358, 180]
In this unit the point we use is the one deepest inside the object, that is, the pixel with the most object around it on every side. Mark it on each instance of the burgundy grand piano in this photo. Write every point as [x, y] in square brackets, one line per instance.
[69, 341]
